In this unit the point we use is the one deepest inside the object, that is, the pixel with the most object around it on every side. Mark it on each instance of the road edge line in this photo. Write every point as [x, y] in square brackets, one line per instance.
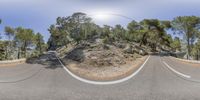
[173, 70]
[185, 60]
[103, 83]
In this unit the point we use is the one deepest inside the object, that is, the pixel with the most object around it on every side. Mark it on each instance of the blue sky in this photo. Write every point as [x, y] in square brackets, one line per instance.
[40, 14]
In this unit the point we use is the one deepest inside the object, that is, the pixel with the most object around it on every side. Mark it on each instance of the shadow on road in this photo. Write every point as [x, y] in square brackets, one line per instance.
[48, 60]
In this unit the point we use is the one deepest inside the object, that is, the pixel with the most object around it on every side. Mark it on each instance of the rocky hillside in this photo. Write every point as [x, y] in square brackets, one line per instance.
[98, 54]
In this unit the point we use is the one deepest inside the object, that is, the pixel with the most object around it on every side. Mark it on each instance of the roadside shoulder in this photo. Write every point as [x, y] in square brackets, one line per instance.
[184, 60]
[106, 73]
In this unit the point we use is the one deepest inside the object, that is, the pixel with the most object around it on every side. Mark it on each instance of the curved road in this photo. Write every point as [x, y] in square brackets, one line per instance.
[51, 82]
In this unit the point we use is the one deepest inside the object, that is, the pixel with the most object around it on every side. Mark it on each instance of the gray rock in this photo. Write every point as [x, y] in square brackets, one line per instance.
[129, 49]
[120, 45]
[106, 47]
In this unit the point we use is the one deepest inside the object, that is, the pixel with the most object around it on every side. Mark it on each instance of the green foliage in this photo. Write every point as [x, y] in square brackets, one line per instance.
[106, 40]
[19, 41]
[150, 32]
[0, 33]
[176, 44]
[76, 27]
[79, 27]
[25, 38]
[188, 26]
[119, 33]
[9, 32]
[196, 50]
[2, 50]
[39, 42]
[133, 32]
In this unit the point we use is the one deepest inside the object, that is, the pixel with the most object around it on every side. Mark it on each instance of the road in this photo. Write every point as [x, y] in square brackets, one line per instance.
[51, 82]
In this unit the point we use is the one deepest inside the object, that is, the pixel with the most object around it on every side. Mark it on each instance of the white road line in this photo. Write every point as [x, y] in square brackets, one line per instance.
[104, 83]
[179, 73]
[185, 60]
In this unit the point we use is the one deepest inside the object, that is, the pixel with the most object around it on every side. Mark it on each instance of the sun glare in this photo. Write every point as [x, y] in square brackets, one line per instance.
[101, 16]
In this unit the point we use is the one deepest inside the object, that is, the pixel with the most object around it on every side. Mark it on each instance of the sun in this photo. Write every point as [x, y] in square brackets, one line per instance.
[101, 16]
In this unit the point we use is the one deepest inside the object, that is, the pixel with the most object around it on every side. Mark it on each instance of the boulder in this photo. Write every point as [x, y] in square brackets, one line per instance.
[106, 47]
[142, 52]
[139, 50]
[128, 49]
[76, 55]
[120, 45]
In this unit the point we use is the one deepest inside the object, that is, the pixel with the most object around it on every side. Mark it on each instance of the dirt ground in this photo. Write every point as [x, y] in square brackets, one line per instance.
[102, 62]
[105, 73]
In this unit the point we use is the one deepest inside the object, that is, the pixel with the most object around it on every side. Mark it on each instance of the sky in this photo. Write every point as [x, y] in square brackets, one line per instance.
[40, 14]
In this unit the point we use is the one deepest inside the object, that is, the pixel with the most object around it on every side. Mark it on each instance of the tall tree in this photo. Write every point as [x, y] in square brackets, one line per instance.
[0, 33]
[119, 32]
[188, 26]
[25, 38]
[148, 26]
[39, 42]
[9, 32]
[3, 50]
[152, 32]
[107, 34]
[78, 20]
[196, 50]
[76, 27]
[133, 32]
[176, 44]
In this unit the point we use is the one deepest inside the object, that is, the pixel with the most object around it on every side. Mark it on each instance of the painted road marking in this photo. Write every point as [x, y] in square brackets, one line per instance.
[179, 73]
[103, 83]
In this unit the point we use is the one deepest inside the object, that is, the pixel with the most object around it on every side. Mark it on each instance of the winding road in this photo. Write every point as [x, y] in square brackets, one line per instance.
[156, 81]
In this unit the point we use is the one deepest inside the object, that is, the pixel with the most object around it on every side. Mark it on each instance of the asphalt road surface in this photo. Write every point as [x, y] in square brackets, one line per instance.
[51, 82]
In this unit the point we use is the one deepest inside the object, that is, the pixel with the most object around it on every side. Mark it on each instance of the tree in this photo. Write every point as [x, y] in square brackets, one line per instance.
[3, 50]
[9, 32]
[78, 21]
[25, 38]
[39, 43]
[176, 44]
[188, 26]
[195, 52]
[106, 34]
[119, 33]
[0, 33]
[133, 32]
[76, 27]
[148, 26]
[152, 32]
[57, 37]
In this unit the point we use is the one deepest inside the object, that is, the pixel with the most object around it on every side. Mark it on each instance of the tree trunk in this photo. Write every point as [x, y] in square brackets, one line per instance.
[25, 45]
[143, 39]
[188, 46]
[197, 54]
[6, 55]
[40, 47]
[18, 54]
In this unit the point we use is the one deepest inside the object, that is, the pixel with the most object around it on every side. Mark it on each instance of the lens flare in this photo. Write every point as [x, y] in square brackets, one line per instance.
[101, 16]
